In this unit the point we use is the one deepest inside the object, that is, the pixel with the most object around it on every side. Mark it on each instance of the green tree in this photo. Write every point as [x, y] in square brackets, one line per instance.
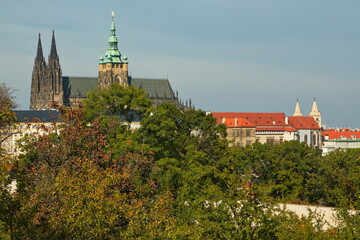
[7, 116]
[348, 224]
[7, 128]
[338, 181]
[72, 187]
[283, 170]
[121, 103]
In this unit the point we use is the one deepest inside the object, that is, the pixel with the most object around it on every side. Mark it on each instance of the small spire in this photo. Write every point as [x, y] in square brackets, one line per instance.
[314, 109]
[315, 113]
[125, 58]
[101, 58]
[53, 52]
[297, 111]
[39, 54]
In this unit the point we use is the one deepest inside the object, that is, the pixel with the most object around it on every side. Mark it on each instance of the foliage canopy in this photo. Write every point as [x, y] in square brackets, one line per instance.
[173, 178]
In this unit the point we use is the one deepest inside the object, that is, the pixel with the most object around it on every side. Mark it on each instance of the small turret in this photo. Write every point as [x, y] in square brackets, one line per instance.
[297, 111]
[316, 113]
[101, 58]
[125, 58]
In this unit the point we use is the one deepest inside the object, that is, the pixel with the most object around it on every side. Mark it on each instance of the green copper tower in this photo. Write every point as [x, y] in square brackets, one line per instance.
[112, 67]
[113, 54]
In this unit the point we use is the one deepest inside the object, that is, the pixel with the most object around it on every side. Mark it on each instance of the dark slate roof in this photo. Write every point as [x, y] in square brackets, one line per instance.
[78, 86]
[155, 88]
[43, 115]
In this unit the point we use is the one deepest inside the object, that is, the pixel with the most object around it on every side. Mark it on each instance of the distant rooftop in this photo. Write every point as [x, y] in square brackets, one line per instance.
[42, 115]
[78, 87]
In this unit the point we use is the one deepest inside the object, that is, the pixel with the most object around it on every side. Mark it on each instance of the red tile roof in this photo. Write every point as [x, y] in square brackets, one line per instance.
[257, 119]
[290, 129]
[333, 134]
[265, 121]
[238, 122]
[281, 129]
[303, 122]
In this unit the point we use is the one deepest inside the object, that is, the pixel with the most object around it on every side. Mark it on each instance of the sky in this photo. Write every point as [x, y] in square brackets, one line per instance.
[224, 55]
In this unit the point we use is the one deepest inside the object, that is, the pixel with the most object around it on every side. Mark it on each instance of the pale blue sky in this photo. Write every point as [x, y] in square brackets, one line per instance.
[226, 55]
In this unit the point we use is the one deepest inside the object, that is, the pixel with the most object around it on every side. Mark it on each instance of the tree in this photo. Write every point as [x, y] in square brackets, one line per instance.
[72, 186]
[338, 181]
[122, 103]
[348, 224]
[7, 125]
[7, 116]
[282, 171]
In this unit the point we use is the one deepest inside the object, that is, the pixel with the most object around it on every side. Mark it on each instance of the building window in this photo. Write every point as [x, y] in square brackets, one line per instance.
[248, 142]
[314, 139]
[248, 132]
[236, 133]
[305, 138]
[270, 141]
[231, 133]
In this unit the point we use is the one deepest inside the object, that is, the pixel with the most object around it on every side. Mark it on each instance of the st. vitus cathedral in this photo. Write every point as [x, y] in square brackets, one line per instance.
[49, 87]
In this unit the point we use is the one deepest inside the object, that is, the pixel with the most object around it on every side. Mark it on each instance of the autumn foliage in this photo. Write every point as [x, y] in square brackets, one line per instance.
[92, 177]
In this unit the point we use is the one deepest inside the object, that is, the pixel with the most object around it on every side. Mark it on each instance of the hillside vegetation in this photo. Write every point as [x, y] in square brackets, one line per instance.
[173, 178]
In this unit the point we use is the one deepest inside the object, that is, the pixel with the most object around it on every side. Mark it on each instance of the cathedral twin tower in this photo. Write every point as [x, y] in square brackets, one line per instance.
[46, 84]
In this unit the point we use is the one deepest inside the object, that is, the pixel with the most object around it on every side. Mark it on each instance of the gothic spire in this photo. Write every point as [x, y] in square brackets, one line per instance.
[53, 52]
[314, 109]
[297, 111]
[316, 113]
[39, 55]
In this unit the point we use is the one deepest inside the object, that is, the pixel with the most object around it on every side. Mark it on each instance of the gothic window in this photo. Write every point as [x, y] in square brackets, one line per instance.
[305, 138]
[314, 139]
[38, 84]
